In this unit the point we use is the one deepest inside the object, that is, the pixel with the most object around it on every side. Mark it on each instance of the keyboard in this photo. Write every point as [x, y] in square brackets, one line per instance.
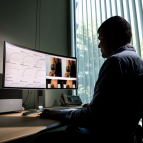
[64, 108]
[32, 112]
[58, 108]
[37, 111]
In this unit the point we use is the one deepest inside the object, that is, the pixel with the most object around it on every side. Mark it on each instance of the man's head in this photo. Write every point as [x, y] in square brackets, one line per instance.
[113, 33]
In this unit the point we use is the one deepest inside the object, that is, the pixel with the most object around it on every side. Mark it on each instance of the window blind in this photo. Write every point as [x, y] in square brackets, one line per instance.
[89, 14]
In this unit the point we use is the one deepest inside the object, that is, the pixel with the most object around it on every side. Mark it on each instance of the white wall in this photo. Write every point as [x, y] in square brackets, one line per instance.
[42, 26]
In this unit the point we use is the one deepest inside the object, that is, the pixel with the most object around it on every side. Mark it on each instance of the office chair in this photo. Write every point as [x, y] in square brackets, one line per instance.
[137, 101]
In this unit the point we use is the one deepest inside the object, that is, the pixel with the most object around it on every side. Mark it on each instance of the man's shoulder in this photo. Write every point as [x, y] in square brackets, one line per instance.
[125, 53]
[128, 58]
[130, 62]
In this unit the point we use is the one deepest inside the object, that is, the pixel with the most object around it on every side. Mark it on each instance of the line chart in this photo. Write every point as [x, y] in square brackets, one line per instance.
[16, 84]
[27, 58]
[27, 71]
[14, 71]
[40, 60]
[40, 73]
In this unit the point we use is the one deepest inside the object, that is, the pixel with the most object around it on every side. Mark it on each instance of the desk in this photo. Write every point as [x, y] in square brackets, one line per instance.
[15, 126]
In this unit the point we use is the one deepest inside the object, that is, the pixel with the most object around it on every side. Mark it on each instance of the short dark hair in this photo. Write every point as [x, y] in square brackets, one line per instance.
[118, 24]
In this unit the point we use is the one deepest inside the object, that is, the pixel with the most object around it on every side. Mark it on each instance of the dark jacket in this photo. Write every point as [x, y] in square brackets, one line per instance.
[112, 107]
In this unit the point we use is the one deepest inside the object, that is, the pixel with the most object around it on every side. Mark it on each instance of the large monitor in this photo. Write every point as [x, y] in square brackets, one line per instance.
[26, 68]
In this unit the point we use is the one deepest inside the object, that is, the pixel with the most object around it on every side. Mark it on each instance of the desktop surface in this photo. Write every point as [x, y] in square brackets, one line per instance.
[14, 126]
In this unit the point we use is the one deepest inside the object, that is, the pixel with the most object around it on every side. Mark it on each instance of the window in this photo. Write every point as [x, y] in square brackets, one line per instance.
[89, 14]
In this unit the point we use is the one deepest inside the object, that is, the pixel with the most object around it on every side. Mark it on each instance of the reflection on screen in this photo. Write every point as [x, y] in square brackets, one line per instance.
[25, 68]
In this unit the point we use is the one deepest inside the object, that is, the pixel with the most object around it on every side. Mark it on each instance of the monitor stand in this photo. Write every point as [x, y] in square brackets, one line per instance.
[39, 105]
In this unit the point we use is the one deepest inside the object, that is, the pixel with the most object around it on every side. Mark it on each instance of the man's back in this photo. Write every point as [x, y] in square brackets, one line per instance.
[115, 95]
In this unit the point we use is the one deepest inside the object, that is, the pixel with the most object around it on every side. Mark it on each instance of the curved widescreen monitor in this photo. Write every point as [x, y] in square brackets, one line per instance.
[26, 68]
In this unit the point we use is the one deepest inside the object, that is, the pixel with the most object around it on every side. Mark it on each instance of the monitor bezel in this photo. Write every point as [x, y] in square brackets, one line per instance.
[4, 56]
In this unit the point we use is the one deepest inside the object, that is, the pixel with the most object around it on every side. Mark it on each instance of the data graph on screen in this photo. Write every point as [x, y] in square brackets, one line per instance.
[12, 83]
[24, 68]
[26, 58]
[11, 54]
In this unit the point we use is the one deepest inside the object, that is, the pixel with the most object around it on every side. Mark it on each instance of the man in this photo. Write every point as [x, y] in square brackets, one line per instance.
[108, 117]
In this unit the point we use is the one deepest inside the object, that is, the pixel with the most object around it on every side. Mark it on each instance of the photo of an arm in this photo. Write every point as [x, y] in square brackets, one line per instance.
[54, 83]
[53, 67]
[69, 84]
[73, 68]
[68, 68]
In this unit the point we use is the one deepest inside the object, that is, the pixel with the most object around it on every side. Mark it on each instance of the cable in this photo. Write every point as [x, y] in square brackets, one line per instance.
[30, 99]
[24, 105]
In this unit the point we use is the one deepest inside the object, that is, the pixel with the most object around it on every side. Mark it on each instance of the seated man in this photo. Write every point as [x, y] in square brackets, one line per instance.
[109, 115]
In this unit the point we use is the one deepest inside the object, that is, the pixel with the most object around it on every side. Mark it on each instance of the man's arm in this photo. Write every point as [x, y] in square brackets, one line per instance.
[85, 105]
[50, 114]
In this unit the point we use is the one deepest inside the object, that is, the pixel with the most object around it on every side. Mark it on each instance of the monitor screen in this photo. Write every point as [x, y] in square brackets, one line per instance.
[27, 68]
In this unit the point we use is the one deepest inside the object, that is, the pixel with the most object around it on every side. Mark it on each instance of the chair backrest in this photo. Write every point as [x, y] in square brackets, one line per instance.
[139, 93]
[135, 106]
[135, 100]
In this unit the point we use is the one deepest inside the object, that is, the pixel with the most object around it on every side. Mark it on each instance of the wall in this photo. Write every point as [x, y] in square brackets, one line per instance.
[36, 24]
